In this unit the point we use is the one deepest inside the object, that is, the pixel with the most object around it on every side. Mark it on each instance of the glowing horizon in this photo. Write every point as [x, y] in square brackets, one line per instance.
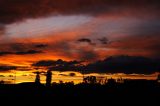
[90, 32]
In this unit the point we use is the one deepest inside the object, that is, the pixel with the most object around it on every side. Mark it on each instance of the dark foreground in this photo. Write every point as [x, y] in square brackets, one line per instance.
[131, 92]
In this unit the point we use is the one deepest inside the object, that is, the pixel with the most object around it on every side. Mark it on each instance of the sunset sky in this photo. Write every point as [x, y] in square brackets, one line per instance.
[81, 30]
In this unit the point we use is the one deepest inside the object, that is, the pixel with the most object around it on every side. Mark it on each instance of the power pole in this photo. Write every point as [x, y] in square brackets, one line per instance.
[14, 76]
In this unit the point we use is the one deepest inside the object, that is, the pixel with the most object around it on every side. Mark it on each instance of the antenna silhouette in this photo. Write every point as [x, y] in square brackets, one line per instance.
[14, 71]
[15, 76]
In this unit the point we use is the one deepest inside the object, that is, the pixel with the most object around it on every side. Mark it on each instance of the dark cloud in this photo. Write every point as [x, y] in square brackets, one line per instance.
[28, 52]
[23, 68]
[63, 75]
[20, 52]
[124, 64]
[41, 45]
[59, 65]
[44, 63]
[20, 48]
[17, 10]
[70, 75]
[67, 49]
[7, 68]
[94, 42]
[5, 53]
[2, 76]
[20, 9]
[55, 63]
[86, 40]
[117, 64]
[25, 46]
[103, 40]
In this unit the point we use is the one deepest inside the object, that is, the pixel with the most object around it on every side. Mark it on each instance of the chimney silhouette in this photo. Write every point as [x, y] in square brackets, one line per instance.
[48, 78]
[37, 80]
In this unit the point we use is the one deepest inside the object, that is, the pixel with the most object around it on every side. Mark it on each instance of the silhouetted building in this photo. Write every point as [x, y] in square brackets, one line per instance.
[48, 78]
[37, 80]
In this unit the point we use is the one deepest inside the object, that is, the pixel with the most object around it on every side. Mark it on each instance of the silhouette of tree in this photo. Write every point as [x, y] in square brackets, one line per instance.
[48, 78]
[90, 79]
[111, 81]
[85, 79]
[1, 82]
[120, 80]
[93, 80]
[60, 82]
[106, 80]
